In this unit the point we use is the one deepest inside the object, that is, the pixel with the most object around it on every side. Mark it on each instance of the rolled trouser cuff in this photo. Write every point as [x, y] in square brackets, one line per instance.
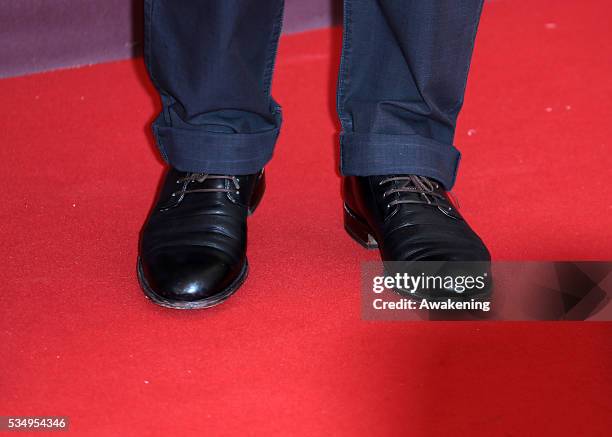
[366, 154]
[194, 150]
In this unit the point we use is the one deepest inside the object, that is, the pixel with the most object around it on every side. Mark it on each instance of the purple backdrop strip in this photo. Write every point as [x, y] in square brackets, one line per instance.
[38, 35]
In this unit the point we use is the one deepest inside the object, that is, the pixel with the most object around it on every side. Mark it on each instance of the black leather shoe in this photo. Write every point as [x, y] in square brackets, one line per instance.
[411, 218]
[193, 245]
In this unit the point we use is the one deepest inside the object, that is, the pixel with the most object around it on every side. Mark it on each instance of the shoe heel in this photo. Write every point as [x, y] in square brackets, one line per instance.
[358, 229]
[260, 188]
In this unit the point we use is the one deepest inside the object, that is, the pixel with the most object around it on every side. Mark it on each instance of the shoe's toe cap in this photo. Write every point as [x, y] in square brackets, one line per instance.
[190, 276]
[430, 243]
[455, 256]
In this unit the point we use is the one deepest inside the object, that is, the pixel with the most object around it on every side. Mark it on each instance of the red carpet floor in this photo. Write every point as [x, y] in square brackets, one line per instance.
[288, 354]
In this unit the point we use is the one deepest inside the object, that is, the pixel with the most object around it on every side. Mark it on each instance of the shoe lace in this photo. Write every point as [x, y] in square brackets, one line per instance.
[200, 178]
[426, 189]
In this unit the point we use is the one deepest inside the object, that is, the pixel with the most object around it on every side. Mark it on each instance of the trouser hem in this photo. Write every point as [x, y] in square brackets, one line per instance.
[367, 154]
[216, 153]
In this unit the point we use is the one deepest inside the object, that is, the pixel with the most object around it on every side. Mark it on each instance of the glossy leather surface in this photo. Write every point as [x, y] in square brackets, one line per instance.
[193, 245]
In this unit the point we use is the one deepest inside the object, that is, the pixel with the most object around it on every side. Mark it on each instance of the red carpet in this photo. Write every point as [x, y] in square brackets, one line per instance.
[288, 354]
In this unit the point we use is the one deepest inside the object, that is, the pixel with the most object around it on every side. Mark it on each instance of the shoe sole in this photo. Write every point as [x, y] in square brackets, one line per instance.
[192, 305]
[360, 231]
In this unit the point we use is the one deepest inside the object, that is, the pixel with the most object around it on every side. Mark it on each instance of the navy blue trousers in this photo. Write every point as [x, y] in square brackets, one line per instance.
[402, 79]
